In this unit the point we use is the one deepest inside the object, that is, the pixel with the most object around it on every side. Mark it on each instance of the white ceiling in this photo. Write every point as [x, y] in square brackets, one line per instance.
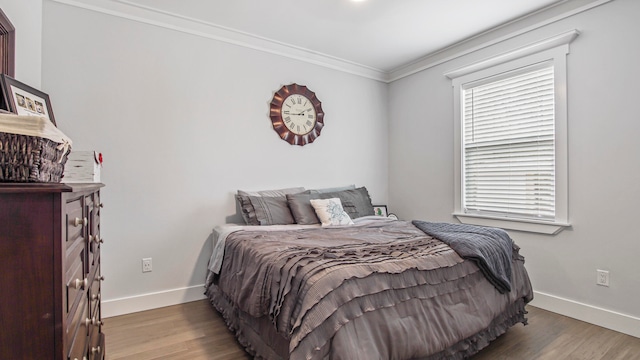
[379, 34]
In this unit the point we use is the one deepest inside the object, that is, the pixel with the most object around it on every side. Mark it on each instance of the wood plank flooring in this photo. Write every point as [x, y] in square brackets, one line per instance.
[196, 331]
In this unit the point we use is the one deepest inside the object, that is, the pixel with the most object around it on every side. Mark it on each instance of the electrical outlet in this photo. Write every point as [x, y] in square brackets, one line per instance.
[147, 265]
[602, 278]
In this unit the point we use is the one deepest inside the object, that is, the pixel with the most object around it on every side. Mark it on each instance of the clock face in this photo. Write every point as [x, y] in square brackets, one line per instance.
[296, 114]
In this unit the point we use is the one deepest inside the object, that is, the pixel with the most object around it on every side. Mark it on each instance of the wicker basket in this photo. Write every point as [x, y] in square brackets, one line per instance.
[26, 158]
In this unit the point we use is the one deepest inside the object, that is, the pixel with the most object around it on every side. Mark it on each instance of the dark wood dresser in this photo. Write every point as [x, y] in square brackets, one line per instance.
[50, 272]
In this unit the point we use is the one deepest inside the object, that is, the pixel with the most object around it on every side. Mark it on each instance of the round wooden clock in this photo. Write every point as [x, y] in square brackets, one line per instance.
[296, 114]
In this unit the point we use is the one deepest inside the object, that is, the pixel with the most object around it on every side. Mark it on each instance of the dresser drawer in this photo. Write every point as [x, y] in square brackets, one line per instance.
[96, 338]
[94, 288]
[78, 332]
[76, 220]
[75, 277]
[96, 347]
[93, 251]
[96, 202]
[94, 239]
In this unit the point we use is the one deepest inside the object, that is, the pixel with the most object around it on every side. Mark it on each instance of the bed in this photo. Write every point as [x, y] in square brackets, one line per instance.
[375, 288]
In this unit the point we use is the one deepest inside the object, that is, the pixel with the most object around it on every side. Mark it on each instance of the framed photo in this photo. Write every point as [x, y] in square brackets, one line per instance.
[380, 210]
[22, 99]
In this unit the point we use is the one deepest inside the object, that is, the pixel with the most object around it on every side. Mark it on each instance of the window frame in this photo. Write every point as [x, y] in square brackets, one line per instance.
[553, 50]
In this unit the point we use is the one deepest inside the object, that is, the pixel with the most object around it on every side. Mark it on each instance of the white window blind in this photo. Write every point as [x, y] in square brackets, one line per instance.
[508, 145]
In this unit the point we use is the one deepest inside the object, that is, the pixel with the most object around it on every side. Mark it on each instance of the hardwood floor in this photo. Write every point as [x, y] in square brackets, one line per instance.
[196, 331]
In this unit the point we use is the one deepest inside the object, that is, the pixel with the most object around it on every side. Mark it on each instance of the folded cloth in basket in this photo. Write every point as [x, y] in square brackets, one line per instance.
[34, 126]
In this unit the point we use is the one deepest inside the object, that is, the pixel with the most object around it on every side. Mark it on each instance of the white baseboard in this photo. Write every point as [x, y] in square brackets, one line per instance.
[153, 300]
[623, 323]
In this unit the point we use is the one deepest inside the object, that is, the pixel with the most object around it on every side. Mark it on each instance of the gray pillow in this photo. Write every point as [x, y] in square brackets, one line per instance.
[246, 208]
[356, 202]
[277, 192]
[301, 209]
[271, 210]
[332, 190]
[247, 211]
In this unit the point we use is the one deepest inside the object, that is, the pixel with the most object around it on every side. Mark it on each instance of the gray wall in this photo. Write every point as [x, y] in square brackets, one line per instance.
[26, 17]
[604, 170]
[183, 123]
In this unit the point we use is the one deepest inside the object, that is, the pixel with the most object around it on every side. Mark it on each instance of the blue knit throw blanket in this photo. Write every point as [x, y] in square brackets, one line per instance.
[490, 248]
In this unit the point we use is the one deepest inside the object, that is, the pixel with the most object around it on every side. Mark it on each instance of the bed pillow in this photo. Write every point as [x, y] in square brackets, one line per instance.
[246, 208]
[356, 202]
[301, 208]
[277, 192]
[330, 212]
[332, 190]
[271, 210]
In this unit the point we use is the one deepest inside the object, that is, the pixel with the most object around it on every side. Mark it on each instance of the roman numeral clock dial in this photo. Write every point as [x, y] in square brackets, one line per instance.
[296, 114]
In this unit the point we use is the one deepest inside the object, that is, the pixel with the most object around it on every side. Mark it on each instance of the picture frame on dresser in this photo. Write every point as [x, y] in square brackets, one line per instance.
[22, 99]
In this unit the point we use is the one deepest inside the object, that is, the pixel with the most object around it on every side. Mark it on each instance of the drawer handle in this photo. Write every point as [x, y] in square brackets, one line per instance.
[95, 350]
[95, 297]
[96, 239]
[77, 283]
[99, 206]
[93, 321]
[100, 278]
[77, 222]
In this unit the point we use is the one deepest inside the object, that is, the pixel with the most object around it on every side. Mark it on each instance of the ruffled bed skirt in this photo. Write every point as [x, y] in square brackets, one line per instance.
[260, 339]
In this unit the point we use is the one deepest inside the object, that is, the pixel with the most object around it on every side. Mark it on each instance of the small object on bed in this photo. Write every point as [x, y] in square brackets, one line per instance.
[380, 210]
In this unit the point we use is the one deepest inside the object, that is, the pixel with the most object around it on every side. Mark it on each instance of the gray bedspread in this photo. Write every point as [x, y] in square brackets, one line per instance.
[490, 248]
[378, 290]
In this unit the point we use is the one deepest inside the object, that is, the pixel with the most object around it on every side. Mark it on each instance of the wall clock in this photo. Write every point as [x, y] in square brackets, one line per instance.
[296, 114]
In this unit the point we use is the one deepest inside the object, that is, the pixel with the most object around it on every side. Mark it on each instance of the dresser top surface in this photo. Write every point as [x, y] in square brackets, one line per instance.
[46, 187]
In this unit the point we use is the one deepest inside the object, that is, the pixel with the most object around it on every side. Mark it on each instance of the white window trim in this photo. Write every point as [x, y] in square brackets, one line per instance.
[554, 49]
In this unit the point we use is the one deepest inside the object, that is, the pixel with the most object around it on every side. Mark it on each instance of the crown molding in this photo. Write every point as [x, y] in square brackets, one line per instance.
[564, 38]
[152, 16]
[512, 29]
[156, 17]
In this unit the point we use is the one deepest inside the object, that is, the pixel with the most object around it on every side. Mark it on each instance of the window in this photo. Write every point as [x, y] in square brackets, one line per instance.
[508, 145]
[511, 138]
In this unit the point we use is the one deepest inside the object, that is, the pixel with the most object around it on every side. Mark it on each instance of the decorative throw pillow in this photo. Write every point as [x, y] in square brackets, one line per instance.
[330, 212]
[246, 208]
